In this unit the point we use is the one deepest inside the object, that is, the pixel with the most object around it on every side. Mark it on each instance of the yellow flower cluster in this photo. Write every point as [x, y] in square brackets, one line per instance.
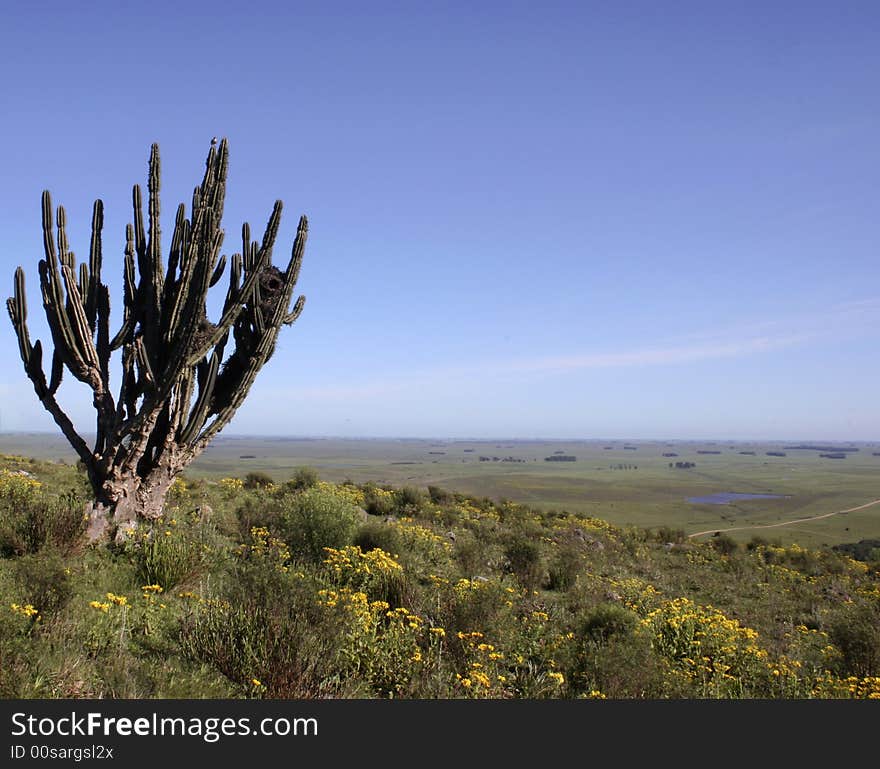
[350, 494]
[867, 688]
[16, 486]
[25, 611]
[414, 535]
[351, 561]
[468, 511]
[636, 594]
[465, 587]
[118, 600]
[98, 606]
[715, 652]
[231, 484]
[266, 547]
[402, 614]
[178, 487]
[356, 604]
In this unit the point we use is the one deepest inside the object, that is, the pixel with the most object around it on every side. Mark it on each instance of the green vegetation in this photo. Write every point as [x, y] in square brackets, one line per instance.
[293, 589]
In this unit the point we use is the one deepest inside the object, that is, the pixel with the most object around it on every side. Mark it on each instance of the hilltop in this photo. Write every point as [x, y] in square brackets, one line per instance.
[254, 587]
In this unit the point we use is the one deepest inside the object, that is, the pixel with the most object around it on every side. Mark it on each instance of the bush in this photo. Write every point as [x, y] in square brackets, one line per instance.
[422, 551]
[856, 632]
[30, 519]
[523, 558]
[314, 519]
[440, 496]
[668, 534]
[378, 501]
[605, 621]
[169, 555]
[408, 500]
[566, 566]
[724, 544]
[303, 478]
[258, 480]
[613, 655]
[43, 581]
[268, 637]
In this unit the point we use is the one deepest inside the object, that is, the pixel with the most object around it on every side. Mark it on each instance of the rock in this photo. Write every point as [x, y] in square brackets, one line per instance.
[205, 513]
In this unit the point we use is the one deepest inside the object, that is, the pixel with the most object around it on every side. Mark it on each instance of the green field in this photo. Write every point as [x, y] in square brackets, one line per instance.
[624, 486]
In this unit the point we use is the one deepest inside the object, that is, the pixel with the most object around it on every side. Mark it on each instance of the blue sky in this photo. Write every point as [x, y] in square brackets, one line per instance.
[610, 219]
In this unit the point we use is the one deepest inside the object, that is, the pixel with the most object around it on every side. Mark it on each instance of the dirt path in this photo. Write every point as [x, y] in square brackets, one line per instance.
[786, 523]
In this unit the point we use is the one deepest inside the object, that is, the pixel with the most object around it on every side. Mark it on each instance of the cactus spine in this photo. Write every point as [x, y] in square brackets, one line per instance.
[178, 387]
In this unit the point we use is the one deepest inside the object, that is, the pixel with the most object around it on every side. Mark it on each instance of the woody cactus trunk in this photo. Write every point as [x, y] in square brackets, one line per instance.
[179, 386]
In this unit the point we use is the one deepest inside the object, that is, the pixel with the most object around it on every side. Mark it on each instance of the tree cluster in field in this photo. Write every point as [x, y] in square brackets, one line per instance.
[560, 458]
[683, 465]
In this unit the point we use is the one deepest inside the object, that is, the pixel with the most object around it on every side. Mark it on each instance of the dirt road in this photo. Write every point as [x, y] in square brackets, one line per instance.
[785, 523]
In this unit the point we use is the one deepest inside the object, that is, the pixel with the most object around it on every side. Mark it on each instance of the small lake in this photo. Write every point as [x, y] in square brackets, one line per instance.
[726, 497]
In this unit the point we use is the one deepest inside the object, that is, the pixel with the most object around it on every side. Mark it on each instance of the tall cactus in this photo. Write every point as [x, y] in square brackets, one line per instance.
[177, 390]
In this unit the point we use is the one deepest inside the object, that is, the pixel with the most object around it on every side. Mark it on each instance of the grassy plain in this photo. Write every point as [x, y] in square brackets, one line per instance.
[625, 486]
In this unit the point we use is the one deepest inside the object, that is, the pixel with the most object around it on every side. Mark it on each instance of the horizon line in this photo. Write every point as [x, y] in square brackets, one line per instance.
[483, 439]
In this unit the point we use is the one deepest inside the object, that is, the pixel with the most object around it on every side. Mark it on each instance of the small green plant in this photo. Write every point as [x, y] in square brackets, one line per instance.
[524, 560]
[169, 554]
[31, 519]
[408, 500]
[303, 478]
[315, 519]
[258, 480]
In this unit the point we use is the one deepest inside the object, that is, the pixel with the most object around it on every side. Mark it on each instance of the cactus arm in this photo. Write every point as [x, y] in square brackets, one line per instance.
[93, 288]
[218, 272]
[200, 410]
[292, 316]
[31, 356]
[129, 294]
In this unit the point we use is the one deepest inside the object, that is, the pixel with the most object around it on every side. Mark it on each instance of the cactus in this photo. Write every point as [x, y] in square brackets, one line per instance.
[178, 385]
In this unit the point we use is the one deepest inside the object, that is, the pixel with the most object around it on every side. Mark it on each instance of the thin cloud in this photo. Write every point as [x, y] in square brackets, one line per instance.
[658, 356]
[650, 356]
[754, 338]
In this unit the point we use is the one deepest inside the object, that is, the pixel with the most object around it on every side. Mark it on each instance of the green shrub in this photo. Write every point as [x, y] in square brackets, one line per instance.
[377, 501]
[30, 519]
[440, 496]
[566, 565]
[43, 581]
[303, 478]
[724, 544]
[523, 557]
[374, 535]
[169, 554]
[258, 480]
[408, 500]
[668, 534]
[601, 623]
[314, 519]
[855, 630]
[270, 641]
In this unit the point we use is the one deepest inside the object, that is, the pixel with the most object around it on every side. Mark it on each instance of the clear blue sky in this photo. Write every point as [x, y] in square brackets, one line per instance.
[527, 219]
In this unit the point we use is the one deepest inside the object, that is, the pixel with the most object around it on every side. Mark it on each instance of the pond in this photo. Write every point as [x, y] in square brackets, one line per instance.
[726, 497]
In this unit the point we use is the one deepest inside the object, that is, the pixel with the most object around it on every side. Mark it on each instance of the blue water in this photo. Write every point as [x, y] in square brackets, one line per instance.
[725, 497]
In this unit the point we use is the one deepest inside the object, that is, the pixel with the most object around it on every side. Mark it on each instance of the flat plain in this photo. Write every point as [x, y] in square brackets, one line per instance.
[624, 482]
